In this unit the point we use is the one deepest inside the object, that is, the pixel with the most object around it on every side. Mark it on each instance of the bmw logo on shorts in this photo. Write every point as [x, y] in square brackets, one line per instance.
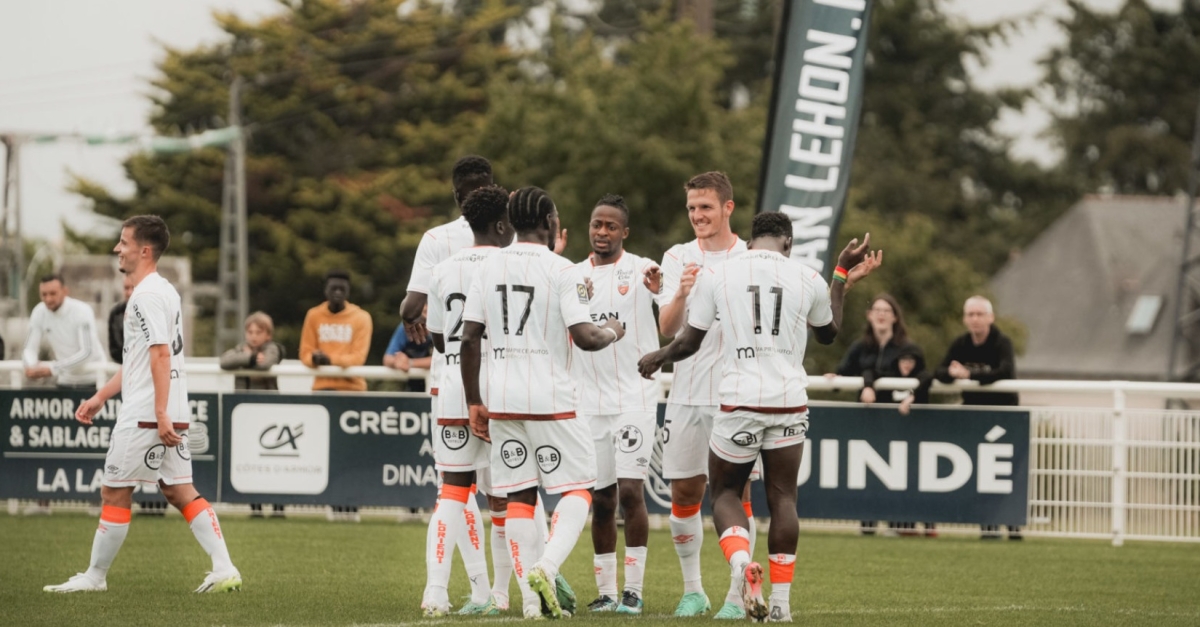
[454, 436]
[744, 438]
[154, 456]
[629, 439]
[184, 448]
[513, 453]
[548, 458]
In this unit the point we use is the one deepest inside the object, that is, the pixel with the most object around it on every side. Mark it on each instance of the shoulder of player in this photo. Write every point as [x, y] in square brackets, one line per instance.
[678, 251]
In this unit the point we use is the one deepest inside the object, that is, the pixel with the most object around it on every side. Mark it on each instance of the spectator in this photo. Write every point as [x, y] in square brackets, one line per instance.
[337, 333]
[258, 352]
[402, 354]
[116, 323]
[875, 355]
[69, 327]
[982, 354]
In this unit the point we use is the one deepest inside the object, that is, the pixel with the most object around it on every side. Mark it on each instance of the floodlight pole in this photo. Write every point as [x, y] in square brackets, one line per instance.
[1183, 290]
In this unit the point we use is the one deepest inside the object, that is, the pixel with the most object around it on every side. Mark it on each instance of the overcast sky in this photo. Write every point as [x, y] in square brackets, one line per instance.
[82, 65]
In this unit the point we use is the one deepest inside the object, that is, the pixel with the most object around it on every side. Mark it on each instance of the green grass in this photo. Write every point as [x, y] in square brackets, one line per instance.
[310, 572]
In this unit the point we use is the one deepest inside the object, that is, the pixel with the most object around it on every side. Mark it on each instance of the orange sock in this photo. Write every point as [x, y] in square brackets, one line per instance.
[782, 568]
[733, 540]
[684, 511]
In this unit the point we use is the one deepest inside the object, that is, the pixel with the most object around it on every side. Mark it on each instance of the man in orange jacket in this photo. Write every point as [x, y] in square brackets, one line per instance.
[336, 333]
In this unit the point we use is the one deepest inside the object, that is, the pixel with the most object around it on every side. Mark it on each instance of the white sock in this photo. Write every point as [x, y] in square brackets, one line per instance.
[569, 519]
[207, 529]
[737, 564]
[782, 566]
[753, 528]
[502, 566]
[110, 535]
[474, 553]
[539, 518]
[689, 538]
[605, 565]
[523, 544]
[635, 568]
[445, 527]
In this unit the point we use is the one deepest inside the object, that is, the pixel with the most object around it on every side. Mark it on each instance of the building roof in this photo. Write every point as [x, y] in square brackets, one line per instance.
[1076, 286]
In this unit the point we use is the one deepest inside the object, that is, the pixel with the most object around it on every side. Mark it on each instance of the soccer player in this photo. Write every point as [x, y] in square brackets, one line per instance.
[763, 302]
[458, 454]
[693, 398]
[617, 403]
[149, 441]
[532, 303]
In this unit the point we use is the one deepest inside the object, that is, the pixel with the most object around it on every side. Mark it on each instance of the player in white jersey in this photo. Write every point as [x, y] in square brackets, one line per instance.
[764, 303]
[459, 454]
[617, 403]
[693, 399]
[149, 442]
[69, 326]
[533, 303]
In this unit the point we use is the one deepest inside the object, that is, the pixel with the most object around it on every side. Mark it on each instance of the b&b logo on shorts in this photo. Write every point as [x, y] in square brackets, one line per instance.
[629, 439]
[454, 436]
[154, 456]
[744, 438]
[184, 448]
[548, 458]
[513, 453]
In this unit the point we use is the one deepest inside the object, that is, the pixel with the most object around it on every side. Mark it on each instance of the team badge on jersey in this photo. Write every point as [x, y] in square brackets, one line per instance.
[624, 277]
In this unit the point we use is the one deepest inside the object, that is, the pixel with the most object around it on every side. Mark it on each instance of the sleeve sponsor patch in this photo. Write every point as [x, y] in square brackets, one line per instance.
[581, 289]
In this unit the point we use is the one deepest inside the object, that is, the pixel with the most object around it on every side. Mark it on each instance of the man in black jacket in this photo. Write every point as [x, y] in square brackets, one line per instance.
[116, 324]
[982, 354]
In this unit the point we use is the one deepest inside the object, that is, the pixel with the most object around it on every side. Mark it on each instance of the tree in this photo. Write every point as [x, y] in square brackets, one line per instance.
[1126, 91]
[356, 115]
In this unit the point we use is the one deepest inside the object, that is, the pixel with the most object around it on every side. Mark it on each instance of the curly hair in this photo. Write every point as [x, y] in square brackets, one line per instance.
[484, 206]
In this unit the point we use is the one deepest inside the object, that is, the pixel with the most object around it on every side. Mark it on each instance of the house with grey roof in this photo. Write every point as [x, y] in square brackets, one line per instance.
[1096, 290]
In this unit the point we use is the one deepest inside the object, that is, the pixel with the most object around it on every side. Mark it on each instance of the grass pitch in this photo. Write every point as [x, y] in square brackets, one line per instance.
[310, 572]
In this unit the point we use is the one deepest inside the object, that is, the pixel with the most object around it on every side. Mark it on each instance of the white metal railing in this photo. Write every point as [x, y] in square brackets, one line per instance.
[1114, 472]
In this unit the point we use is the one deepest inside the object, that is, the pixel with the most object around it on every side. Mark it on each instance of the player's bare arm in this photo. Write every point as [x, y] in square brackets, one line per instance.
[591, 337]
[412, 312]
[160, 374]
[671, 317]
[87, 409]
[682, 347]
[850, 257]
[469, 362]
[439, 342]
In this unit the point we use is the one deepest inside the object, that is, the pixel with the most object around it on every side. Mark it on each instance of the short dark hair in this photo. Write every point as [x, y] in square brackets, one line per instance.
[484, 206]
[529, 207]
[716, 181]
[337, 274]
[470, 173]
[771, 224]
[150, 230]
[53, 277]
[615, 201]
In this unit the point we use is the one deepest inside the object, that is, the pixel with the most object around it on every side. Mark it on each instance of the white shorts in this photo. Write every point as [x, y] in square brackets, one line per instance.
[739, 435]
[558, 455]
[456, 449]
[137, 456]
[624, 445]
[686, 429]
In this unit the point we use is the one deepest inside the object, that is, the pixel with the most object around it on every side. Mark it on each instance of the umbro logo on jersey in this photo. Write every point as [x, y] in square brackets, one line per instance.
[548, 458]
[154, 456]
[513, 453]
[629, 439]
[454, 437]
[744, 438]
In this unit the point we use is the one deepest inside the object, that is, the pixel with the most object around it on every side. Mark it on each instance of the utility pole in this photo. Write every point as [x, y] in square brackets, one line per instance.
[233, 299]
[699, 12]
[1187, 288]
[12, 246]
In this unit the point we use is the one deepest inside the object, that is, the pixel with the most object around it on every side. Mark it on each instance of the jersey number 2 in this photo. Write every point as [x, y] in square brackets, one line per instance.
[756, 291]
[527, 289]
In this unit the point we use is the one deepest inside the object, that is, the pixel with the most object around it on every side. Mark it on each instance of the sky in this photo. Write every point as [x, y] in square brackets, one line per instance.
[90, 73]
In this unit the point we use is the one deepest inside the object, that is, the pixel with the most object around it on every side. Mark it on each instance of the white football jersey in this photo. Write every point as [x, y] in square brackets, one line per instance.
[697, 378]
[437, 245]
[447, 302]
[766, 302]
[608, 379]
[153, 316]
[528, 297]
[71, 333]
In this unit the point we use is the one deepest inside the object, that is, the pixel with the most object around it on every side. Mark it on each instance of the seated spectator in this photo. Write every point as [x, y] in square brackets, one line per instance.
[258, 352]
[402, 354]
